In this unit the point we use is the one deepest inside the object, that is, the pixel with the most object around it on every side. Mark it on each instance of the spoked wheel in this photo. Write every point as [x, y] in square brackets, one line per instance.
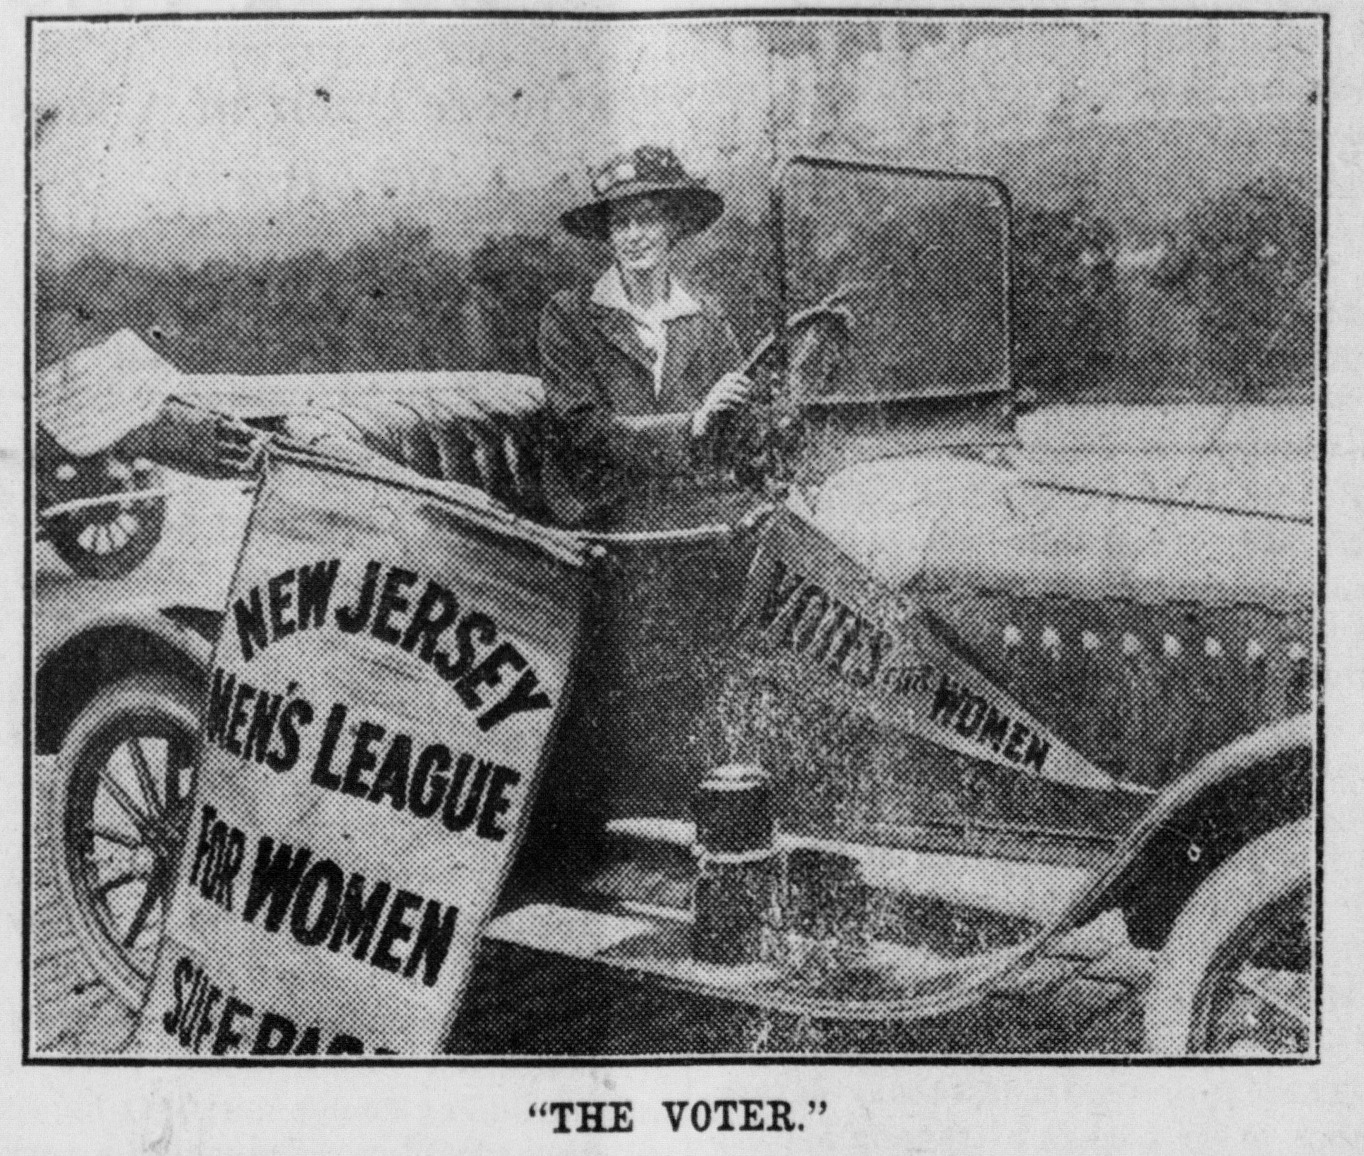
[1259, 1002]
[110, 539]
[1236, 977]
[124, 790]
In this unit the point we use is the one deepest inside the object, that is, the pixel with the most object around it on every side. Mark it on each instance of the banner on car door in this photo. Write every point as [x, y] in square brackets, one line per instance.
[806, 597]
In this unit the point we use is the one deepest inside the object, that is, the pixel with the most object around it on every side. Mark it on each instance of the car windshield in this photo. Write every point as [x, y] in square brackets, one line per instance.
[926, 257]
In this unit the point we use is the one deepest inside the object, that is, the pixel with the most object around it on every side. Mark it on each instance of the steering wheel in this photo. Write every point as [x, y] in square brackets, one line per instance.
[831, 316]
[816, 342]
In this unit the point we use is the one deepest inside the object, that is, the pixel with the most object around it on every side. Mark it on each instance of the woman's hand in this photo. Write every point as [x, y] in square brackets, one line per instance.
[193, 440]
[730, 392]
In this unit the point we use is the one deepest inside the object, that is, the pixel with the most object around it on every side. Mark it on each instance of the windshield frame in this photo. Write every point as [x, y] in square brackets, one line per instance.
[778, 216]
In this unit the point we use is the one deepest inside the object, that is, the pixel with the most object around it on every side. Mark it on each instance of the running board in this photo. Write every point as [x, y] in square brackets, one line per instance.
[1037, 892]
[885, 981]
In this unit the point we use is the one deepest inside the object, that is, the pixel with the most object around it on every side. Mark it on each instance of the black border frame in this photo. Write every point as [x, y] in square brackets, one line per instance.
[27, 1059]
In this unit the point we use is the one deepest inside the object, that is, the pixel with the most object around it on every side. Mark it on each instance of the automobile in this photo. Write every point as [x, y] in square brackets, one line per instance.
[872, 742]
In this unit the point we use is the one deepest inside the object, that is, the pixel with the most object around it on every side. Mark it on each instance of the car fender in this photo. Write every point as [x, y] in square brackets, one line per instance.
[73, 664]
[1229, 798]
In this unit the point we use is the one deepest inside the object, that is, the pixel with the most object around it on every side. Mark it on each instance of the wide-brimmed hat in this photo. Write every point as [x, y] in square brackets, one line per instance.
[646, 170]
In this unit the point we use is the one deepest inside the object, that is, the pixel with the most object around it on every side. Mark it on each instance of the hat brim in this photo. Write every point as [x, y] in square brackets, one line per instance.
[695, 208]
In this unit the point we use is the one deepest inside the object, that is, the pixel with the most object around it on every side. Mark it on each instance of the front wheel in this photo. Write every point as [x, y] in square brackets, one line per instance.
[119, 808]
[1236, 976]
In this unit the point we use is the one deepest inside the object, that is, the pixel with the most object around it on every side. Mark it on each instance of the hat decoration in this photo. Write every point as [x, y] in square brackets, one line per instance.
[646, 171]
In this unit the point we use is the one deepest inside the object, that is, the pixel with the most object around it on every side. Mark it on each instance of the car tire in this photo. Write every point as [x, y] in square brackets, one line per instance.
[1251, 918]
[115, 851]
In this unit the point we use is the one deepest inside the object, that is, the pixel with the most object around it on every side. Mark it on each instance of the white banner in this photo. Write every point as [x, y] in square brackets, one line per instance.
[808, 596]
[385, 688]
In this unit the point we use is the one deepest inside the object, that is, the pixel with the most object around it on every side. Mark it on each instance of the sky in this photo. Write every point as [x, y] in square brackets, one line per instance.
[194, 118]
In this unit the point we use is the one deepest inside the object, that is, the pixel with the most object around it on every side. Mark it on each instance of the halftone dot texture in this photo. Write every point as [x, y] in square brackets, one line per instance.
[268, 205]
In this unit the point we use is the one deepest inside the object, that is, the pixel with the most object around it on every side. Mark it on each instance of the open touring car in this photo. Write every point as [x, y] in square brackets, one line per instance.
[859, 741]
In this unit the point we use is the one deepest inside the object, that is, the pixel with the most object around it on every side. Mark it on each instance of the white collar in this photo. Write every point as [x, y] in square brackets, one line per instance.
[610, 291]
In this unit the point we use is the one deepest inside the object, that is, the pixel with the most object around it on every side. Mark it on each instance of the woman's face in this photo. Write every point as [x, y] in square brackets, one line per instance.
[641, 233]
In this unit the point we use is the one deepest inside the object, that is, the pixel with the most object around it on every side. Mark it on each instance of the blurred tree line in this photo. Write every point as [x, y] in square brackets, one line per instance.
[1070, 312]
[1240, 267]
[1245, 263]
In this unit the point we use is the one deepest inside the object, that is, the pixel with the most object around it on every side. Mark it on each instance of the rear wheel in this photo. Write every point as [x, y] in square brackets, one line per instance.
[121, 802]
[1235, 977]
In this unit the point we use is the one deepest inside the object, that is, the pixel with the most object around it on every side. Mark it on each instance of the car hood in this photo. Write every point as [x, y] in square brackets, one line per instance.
[946, 522]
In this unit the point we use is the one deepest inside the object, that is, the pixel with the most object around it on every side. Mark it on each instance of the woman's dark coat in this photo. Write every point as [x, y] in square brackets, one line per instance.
[608, 438]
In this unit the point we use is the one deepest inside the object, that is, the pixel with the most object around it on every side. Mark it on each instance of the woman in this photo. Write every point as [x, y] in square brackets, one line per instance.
[636, 369]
